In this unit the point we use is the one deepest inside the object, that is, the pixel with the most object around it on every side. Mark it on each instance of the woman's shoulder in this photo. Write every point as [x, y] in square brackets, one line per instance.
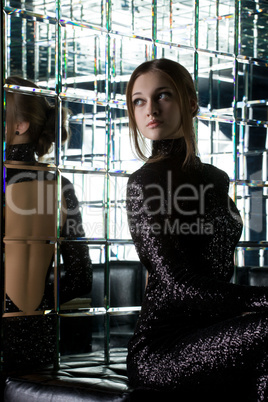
[147, 173]
[215, 171]
[66, 183]
[157, 173]
[215, 175]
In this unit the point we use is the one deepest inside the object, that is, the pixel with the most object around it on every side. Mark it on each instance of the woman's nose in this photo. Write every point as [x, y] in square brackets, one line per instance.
[152, 108]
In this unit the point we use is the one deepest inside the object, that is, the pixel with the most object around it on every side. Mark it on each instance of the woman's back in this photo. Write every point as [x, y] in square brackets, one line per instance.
[30, 236]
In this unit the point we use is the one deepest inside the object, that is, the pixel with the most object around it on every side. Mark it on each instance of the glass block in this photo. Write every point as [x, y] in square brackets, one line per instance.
[130, 272]
[97, 253]
[215, 84]
[258, 276]
[82, 334]
[133, 275]
[215, 144]
[122, 156]
[75, 334]
[252, 159]
[250, 167]
[257, 111]
[182, 56]
[255, 138]
[99, 290]
[254, 33]
[83, 61]
[122, 326]
[81, 279]
[252, 82]
[222, 138]
[250, 256]
[225, 34]
[47, 8]
[118, 226]
[86, 146]
[207, 25]
[253, 275]
[215, 20]
[90, 11]
[176, 22]
[126, 53]
[132, 17]
[86, 192]
[225, 163]
[251, 203]
[123, 251]
[99, 336]
[30, 49]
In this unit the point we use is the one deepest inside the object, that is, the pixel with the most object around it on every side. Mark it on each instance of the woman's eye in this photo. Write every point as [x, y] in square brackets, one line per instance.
[164, 95]
[138, 102]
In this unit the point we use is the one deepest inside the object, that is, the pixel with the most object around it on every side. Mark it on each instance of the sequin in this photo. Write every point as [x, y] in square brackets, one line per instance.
[191, 330]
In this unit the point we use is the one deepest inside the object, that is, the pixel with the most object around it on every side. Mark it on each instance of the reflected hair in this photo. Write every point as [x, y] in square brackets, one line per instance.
[36, 110]
[186, 97]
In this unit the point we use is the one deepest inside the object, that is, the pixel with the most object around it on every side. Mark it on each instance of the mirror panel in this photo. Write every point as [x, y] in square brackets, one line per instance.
[81, 54]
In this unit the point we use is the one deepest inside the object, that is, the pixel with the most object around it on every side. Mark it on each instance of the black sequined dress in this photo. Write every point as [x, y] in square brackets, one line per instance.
[30, 341]
[192, 329]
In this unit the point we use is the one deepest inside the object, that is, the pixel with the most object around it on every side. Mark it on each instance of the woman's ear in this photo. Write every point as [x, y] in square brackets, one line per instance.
[22, 127]
[193, 105]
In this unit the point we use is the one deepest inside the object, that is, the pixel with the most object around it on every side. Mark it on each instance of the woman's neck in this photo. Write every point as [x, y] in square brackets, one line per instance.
[169, 147]
[20, 152]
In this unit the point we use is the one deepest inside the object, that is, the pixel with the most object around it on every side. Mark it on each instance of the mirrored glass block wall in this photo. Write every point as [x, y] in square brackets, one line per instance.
[80, 54]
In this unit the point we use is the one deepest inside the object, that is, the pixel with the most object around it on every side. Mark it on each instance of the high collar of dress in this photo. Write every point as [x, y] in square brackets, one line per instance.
[20, 152]
[169, 147]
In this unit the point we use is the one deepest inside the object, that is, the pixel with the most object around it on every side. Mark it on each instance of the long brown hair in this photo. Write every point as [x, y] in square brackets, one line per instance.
[185, 93]
[37, 111]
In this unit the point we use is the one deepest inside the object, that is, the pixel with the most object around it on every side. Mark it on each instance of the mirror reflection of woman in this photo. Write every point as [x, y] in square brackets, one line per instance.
[31, 209]
[196, 331]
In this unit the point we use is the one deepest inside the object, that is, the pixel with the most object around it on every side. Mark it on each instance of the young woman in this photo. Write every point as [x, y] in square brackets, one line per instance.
[192, 332]
[31, 206]
[31, 200]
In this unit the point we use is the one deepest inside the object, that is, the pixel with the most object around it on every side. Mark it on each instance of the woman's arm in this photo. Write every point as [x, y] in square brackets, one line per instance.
[77, 278]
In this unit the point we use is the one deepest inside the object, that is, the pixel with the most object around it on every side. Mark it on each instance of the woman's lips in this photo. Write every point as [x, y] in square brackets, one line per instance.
[154, 123]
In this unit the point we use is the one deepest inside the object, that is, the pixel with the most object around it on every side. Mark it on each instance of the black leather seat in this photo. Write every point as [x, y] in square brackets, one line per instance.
[79, 378]
[83, 378]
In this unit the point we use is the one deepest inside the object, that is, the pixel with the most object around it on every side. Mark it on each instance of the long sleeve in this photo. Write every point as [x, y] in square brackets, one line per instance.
[77, 278]
[173, 255]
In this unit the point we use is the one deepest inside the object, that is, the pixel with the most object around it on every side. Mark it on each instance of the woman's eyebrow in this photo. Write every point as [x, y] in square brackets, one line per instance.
[136, 93]
[156, 90]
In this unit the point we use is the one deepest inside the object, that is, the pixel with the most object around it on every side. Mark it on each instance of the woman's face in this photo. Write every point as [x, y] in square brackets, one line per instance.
[156, 109]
